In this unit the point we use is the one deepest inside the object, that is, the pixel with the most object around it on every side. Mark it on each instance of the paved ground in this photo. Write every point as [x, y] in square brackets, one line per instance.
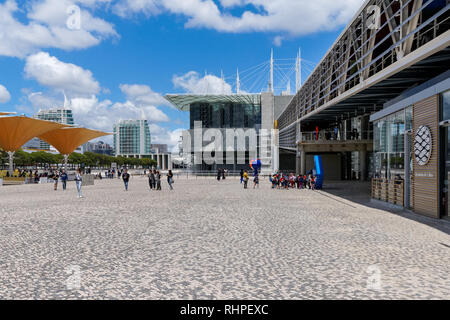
[215, 241]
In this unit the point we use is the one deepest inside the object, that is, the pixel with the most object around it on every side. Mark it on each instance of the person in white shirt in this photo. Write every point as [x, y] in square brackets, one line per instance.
[79, 182]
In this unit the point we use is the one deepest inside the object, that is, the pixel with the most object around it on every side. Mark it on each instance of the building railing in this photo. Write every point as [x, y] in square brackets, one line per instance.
[332, 136]
[356, 56]
[391, 191]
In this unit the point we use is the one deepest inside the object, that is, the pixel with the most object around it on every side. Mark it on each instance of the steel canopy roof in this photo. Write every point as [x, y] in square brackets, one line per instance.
[184, 101]
[66, 140]
[373, 98]
[16, 131]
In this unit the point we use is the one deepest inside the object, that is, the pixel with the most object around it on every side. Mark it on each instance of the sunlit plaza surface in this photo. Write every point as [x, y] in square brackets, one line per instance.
[211, 240]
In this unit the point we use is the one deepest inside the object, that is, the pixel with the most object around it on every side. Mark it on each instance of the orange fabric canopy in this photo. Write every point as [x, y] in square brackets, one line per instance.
[16, 131]
[66, 140]
[5, 113]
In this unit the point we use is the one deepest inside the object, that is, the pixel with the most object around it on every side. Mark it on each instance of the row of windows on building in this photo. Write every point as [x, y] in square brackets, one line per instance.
[389, 139]
[389, 143]
[226, 115]
[132, 137]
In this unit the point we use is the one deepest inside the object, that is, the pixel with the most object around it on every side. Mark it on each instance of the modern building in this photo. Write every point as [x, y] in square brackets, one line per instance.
[99, 147]
[132, 139]
[229, 113]
[385, 75]
[62, 115]
[160, 148]
[417, 121]
[33, 144]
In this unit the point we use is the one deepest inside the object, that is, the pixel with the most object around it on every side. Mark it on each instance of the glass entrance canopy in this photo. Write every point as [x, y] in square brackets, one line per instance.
[184, 101]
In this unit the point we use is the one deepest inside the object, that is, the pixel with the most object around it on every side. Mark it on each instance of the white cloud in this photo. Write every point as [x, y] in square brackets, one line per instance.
[142, 95]
[51, 72]
[42, 24]
[128, 110]
[166, 136]
[191, 82]
[294, 17]
[278, 41]
[93, 113]
[101, 115]
[126, 8]
[47, 27]
[4, 94]
[41, 101]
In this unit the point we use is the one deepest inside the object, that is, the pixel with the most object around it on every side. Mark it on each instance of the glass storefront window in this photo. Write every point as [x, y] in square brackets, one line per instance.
[446, 106]
[445, 166]
[389, 139]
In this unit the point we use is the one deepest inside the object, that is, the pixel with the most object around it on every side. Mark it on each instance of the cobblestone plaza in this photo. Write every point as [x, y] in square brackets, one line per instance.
[211, 240]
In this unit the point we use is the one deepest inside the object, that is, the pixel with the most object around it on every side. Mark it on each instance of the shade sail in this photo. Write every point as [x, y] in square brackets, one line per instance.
[5, 113]
[66, 140]
[16, 131]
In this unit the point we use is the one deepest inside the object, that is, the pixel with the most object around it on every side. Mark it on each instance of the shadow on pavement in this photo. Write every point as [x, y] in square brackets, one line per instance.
[359, 193]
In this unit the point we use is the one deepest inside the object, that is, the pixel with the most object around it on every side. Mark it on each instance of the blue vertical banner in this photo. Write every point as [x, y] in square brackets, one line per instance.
[319, 171]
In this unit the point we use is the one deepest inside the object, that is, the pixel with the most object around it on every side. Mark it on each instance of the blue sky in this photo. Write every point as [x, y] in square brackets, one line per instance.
[124, 55]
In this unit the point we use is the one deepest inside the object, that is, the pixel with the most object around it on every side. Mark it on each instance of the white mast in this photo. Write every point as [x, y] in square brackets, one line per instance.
[298, 71]
[238, 82]
[66, 102]
[271, 71]
[223, 80]
[288, 90]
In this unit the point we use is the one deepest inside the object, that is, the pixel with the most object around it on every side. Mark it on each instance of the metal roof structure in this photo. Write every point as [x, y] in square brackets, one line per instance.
[184, 101]
[388, 47]
[66, 140]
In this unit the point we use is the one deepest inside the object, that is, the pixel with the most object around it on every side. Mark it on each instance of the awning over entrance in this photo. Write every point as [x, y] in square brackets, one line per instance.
[66, 140]
[16, 131]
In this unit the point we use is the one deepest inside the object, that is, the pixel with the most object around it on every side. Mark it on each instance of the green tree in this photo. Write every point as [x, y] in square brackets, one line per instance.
[77, 158]
[22, 158]
[42, 157]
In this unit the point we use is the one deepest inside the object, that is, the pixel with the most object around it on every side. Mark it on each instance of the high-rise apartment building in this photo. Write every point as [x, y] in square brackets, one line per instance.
[132, 139]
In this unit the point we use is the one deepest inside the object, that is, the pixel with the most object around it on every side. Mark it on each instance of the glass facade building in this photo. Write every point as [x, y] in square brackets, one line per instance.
[419, 120]
[64, 116]
[389, 144]
[247, 118]
[132, 138]
[226, 115]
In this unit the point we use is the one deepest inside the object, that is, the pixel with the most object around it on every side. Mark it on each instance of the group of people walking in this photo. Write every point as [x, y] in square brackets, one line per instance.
[154, 180]
[291, 181]
[245, 178]
[221, 174]
[56, 176]
[62, 175]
